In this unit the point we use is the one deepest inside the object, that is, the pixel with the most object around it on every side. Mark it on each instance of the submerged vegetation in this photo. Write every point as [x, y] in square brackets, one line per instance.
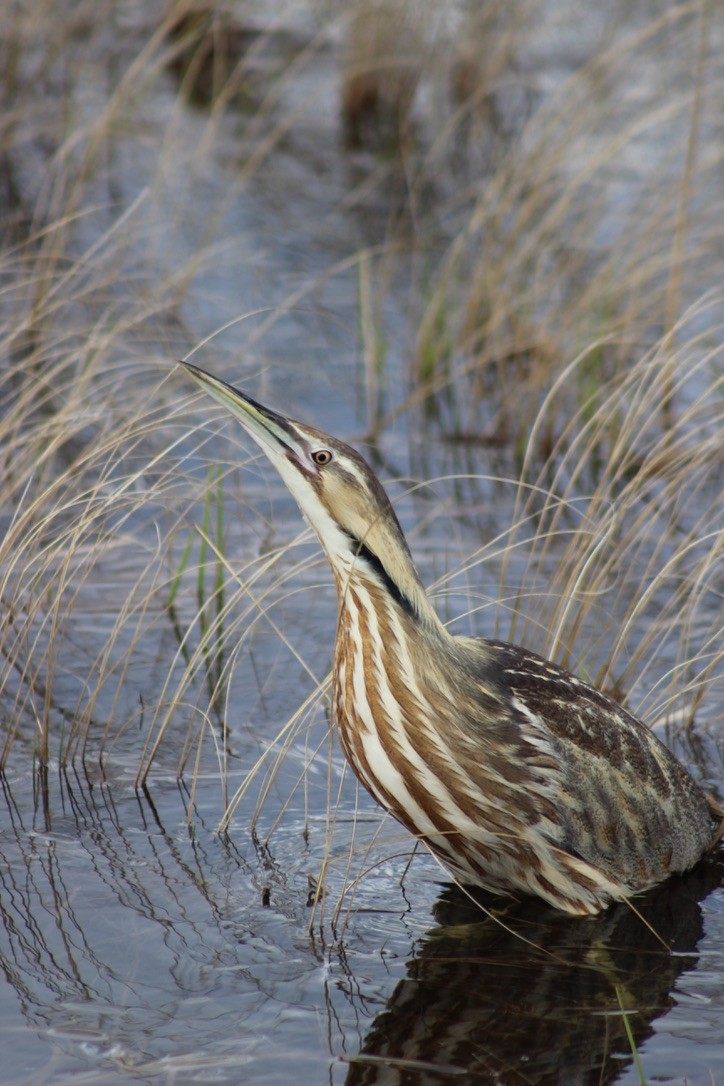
[561, 368]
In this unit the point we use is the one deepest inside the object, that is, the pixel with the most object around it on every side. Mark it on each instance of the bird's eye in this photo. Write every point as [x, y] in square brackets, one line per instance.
[321, 457]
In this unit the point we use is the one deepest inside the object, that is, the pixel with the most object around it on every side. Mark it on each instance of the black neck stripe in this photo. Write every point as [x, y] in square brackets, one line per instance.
[361, 550]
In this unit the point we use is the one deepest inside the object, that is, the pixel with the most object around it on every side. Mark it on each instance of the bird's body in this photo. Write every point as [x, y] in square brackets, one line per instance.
[518, 776]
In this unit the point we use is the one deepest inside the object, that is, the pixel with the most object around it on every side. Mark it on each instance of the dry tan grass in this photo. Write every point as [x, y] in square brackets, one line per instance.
[598, 225]
[121, 641]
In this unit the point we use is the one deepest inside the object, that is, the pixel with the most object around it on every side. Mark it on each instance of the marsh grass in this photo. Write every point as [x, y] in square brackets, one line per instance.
[142, 585]
[210, 584]
[595, 227]
[625, 1014]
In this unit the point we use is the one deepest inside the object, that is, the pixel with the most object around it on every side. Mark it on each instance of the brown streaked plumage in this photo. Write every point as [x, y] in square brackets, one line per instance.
[518, 776]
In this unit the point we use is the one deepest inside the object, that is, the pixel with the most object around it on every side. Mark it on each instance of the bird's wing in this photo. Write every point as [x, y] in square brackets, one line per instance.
[623, 794]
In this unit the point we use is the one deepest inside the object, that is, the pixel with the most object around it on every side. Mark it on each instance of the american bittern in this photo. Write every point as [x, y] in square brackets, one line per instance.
[517, 775]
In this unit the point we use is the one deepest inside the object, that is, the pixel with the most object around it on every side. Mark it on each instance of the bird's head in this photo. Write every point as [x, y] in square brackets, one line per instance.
[339, 495]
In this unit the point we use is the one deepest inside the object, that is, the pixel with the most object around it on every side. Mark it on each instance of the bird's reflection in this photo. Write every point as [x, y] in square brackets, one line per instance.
[526, 995]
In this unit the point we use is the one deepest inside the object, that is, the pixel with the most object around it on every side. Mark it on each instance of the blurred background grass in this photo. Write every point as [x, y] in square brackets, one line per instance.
[486, 241]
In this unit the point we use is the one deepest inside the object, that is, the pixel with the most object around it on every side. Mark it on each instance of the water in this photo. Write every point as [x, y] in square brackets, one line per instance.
[138, 943]
[135, 949]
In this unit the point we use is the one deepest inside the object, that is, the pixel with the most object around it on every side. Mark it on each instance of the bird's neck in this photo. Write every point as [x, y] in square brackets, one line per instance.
[392, 587]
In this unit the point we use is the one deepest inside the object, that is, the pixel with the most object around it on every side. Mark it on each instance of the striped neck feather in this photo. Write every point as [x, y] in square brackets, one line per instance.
[402, 585]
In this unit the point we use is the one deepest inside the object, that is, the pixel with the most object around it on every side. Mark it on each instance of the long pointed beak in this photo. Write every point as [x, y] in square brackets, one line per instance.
[275, 434]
